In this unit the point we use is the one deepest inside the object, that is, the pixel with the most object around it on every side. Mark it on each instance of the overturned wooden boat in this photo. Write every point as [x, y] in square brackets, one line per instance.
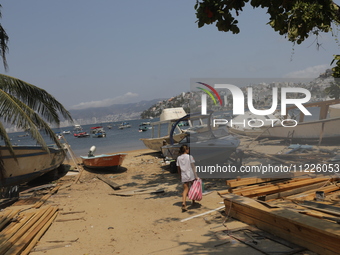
[30, 163]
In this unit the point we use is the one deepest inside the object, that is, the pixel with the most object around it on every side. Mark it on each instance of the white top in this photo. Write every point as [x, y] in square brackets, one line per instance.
[184, 162]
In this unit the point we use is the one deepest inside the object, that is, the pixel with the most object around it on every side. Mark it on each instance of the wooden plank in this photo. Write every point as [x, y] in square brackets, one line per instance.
[151, 190]
[329, 209]
[8, 217]
[310, 195]
[284, 194]
[39, 235]
[280, 187]
[247, 181]
[25, 239]
[109, 182]
[259, 186]
[45, 186]
[315, 234]
[323, 111]
[45, 198]
[4, 247]
[266, 185]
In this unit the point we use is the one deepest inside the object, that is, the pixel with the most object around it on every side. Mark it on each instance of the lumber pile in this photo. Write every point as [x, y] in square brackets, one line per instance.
[20, 231]
[277, 188]
[313, 233]
[288, 211]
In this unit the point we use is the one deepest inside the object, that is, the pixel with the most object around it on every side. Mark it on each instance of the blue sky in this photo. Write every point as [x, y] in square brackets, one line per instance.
[96, 53]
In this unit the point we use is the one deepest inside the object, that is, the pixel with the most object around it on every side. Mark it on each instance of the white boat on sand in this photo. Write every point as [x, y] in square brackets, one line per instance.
[30, 163]
[160, 130]
[208, 145]
[324, 128]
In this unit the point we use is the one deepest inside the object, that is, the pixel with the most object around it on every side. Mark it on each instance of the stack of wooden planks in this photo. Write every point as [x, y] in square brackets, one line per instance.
[20, 231]
[278, 188]
[280, 207]
[316, 234]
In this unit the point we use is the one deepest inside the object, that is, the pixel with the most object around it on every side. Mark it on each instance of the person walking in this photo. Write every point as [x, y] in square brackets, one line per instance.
[187, 171]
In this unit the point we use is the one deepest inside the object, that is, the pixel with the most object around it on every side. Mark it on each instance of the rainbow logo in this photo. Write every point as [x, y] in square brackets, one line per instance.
[209, 93]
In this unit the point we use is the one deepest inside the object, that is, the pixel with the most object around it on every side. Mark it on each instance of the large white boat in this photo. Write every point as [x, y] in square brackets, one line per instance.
[77, 128]
[160, 135]
[325, 128]
[250, 124]
[30, 163]
[211, 144]
[160, 130]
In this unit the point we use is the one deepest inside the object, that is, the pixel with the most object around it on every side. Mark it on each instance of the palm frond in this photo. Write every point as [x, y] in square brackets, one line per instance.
[36, 98]
[17, 113]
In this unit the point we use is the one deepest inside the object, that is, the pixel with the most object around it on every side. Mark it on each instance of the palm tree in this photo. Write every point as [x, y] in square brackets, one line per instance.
[30, 108]
[3, 44]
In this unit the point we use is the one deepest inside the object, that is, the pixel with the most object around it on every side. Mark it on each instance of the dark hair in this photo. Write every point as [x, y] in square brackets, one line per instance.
[183, 149]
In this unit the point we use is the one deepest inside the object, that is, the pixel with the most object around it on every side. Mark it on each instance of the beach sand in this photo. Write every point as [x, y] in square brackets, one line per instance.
[103, 223]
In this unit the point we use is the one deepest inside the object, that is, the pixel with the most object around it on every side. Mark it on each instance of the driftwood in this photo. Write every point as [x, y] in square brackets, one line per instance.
[45, 186]
[63, 220]
[152, 190]
[46, 197]
[73, 212]
[109, 182]
[46, 248]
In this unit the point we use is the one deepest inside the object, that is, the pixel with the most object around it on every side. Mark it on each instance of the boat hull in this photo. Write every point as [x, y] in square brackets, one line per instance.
[313, 130]
[157, 143]
[211, 151]
[103, 161]
[32, 162]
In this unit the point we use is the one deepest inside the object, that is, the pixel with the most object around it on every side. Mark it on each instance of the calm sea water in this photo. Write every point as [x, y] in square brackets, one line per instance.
[116, 140]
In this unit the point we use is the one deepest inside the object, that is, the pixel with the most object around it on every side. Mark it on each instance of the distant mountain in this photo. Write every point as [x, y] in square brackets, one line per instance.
[116, 112]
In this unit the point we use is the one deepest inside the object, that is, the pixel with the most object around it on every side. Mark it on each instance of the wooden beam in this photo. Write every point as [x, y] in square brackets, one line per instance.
[323, 111]
[109, 182]
[310, 195]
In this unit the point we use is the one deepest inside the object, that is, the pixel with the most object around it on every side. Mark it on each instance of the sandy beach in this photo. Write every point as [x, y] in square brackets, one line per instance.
[138, 224]
[94, 219]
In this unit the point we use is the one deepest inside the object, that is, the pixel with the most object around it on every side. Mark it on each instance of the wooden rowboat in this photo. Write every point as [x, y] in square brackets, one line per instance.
[103, 161]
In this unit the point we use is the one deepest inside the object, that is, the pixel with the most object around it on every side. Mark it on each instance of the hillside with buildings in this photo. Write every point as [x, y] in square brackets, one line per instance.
[262, 96]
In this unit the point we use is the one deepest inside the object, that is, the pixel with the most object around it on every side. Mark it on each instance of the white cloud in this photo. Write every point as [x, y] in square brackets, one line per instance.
[105, 102]
[309, 72]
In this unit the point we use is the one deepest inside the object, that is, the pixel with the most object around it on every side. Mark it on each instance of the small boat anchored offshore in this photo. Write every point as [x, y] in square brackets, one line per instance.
[81, 135]
[77, 128]
[98, 132]
[144, 126]
[102, 161]
[124, 125]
